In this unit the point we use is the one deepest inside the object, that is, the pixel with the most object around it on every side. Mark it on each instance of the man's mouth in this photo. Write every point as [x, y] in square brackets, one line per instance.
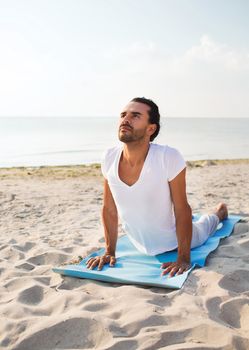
[125, 127]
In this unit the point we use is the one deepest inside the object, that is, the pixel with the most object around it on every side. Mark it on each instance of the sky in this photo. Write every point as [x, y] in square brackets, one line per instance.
[91, 57]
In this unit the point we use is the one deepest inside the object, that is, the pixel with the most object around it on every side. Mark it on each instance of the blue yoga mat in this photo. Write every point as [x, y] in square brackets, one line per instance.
[133, 267]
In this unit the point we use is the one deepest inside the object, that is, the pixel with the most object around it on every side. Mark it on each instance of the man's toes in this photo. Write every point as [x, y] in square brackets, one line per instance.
[221, 211]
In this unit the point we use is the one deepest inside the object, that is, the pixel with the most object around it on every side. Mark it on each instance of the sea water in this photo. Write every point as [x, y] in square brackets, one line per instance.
[37, 141]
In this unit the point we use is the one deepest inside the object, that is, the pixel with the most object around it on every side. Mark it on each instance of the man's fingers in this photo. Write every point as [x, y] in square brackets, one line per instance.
[164, 265]
[100, 261]
[88, 261]
[101, 264]
[95, 263]
[174, 268]
[168, 269]
[173, 271]
[112, 261]
[183, 269]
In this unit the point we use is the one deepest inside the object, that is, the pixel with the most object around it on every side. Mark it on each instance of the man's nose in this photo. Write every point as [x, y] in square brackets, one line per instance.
[126, 119]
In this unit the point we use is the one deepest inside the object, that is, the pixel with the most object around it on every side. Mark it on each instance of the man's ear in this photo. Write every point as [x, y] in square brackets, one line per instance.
[152, 128]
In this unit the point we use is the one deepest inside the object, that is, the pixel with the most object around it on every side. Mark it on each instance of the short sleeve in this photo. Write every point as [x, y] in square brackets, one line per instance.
[107, 160]
[175, 163]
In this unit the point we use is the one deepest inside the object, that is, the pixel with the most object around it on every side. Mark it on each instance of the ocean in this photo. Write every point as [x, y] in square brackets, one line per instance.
[27, 141]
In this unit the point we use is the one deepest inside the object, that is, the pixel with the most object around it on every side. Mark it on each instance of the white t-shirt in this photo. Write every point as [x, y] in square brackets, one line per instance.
[146, 208]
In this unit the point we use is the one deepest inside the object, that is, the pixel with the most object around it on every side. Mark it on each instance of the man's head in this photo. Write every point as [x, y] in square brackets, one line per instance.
[140, 119]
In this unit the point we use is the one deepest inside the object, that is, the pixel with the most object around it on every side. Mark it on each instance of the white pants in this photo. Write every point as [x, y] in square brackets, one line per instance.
[203, 228]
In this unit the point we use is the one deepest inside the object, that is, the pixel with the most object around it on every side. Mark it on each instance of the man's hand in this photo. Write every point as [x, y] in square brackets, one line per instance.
[100, 261]
[177, 267]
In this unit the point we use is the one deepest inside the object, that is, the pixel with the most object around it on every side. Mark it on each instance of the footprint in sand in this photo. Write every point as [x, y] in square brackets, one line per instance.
[31, 296]
[235, 312]
[125, 344]
[244, 243]
[43, 280]
[49, 258]
[11, 254]
[236, 281]
[25, 266]
[68, 249]
[241, 227]
[70, 283]
[24, 247]
[95, 306]
[84, 333]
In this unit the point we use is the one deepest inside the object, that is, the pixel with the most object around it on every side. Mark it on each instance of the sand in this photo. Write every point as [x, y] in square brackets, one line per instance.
[51, 214]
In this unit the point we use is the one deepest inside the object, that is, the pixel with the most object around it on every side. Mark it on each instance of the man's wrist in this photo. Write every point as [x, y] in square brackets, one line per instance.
[109, 252]
[184, 257]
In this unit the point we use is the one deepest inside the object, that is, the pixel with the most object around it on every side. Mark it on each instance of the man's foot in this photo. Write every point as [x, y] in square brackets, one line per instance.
[221, 211]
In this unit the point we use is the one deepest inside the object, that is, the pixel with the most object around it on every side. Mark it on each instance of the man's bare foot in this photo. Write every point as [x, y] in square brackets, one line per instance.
[221, 211]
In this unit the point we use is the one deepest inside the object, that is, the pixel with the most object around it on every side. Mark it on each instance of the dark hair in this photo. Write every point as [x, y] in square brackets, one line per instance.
[154, 116]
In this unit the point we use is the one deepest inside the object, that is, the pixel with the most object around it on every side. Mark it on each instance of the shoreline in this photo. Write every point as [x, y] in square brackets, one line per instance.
[94, 169]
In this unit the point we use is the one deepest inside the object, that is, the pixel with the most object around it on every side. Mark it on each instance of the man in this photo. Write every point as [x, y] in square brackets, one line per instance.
[145, 186]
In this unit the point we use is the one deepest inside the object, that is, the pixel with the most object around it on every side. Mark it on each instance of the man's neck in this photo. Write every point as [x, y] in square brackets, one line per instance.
[135, 153]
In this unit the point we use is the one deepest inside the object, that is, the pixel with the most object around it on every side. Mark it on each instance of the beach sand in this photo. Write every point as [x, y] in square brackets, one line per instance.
[51, 214]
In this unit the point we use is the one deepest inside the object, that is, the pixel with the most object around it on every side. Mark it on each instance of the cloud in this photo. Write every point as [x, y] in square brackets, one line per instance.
[207, 52]
[210, 52]
[208, 79]
[132, 50]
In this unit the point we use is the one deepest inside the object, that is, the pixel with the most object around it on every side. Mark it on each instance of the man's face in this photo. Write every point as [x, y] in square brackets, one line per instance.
[134, 122]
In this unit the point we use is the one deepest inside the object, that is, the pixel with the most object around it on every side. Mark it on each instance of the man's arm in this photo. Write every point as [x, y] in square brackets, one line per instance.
[110, 223]
[183, 215]
[109, 220]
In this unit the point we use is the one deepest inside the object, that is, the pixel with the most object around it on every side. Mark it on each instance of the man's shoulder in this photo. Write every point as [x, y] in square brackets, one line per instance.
[163, 148]
[110, 153]
[166, 151]
[172, 160]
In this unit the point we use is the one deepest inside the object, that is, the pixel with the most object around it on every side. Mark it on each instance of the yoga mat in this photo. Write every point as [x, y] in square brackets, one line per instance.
[133, 267]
